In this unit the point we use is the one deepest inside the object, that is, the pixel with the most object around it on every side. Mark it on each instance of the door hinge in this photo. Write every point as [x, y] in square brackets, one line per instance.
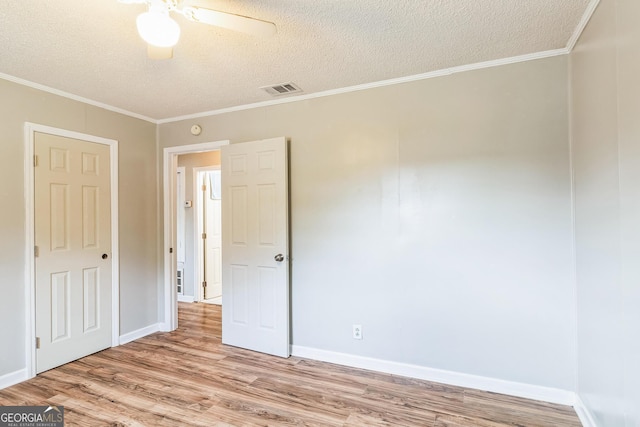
[204, 236]
[170, 250]
[37, 343]
[35, 161]
[204, 284]
[36, 251]
[204, 188]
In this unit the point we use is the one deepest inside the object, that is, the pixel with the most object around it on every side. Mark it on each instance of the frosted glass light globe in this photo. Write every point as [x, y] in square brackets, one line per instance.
[158, 29]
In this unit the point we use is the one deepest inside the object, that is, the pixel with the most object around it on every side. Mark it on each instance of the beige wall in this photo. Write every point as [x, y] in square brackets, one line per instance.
[605, 110]
[196, 160]
[137, 204]
[190, 161]
[436, 214]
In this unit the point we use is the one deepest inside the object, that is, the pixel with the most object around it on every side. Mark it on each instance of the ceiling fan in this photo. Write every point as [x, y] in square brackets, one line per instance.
[161, 32]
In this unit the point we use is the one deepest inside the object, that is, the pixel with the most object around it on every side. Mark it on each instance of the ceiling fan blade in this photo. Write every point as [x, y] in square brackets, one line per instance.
[155, 52]
[243, 24]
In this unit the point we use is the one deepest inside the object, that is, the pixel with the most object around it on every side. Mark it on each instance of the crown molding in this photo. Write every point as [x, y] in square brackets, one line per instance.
[381, 83]
[586, 17]
[68, 95]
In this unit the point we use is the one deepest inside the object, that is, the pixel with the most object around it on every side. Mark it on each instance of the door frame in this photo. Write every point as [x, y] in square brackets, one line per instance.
[169, 166]
[198, 219]
[30, 130]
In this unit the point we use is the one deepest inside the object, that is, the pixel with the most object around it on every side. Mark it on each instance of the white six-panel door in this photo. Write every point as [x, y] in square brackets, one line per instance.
[73, 239]
[255, 247]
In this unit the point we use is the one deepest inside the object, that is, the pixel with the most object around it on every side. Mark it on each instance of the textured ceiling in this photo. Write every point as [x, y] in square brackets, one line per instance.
[91, 48]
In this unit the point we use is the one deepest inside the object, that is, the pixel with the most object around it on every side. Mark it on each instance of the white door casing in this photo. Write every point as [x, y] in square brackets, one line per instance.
[255, 246]
[73, 267]
[180, 230]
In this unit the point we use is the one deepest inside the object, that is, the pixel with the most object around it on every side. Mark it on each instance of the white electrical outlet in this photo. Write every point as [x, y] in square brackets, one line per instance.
[357, 332]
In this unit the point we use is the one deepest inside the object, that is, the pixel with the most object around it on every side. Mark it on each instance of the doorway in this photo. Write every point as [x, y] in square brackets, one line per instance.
[198, 227]
[209, 229]
[170, 167]
[256, 263]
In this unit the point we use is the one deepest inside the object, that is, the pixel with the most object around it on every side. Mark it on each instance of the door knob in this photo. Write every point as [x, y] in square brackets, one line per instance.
[279, 257]
[105, 256]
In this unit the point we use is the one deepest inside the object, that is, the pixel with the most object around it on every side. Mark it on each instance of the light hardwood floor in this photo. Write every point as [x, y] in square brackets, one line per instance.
[188, 378]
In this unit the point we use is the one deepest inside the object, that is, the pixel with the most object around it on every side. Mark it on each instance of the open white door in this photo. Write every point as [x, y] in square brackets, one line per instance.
[255, 246]
[73, 259]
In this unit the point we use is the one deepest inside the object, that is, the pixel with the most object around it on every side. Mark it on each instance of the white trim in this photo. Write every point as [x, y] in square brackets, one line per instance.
[29, 140]
[186, 298]
[140, 333]
[29, 273]
[12, 378]
[528, 391]
[585, 415]
[169, 165]
[586, 17]
[407, 79]
[115, 245]
[68, 95]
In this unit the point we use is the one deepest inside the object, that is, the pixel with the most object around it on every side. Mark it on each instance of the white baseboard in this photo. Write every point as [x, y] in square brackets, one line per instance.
[16, 377]
[140, 333]
[586, 418]
[529, 391]
[13, 378]
[185, 298]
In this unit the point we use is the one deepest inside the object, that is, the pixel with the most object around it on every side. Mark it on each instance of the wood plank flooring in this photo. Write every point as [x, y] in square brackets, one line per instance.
[188, 378]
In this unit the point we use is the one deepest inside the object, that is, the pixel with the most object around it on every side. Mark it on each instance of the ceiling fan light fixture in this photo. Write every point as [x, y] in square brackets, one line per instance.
[158, 29]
